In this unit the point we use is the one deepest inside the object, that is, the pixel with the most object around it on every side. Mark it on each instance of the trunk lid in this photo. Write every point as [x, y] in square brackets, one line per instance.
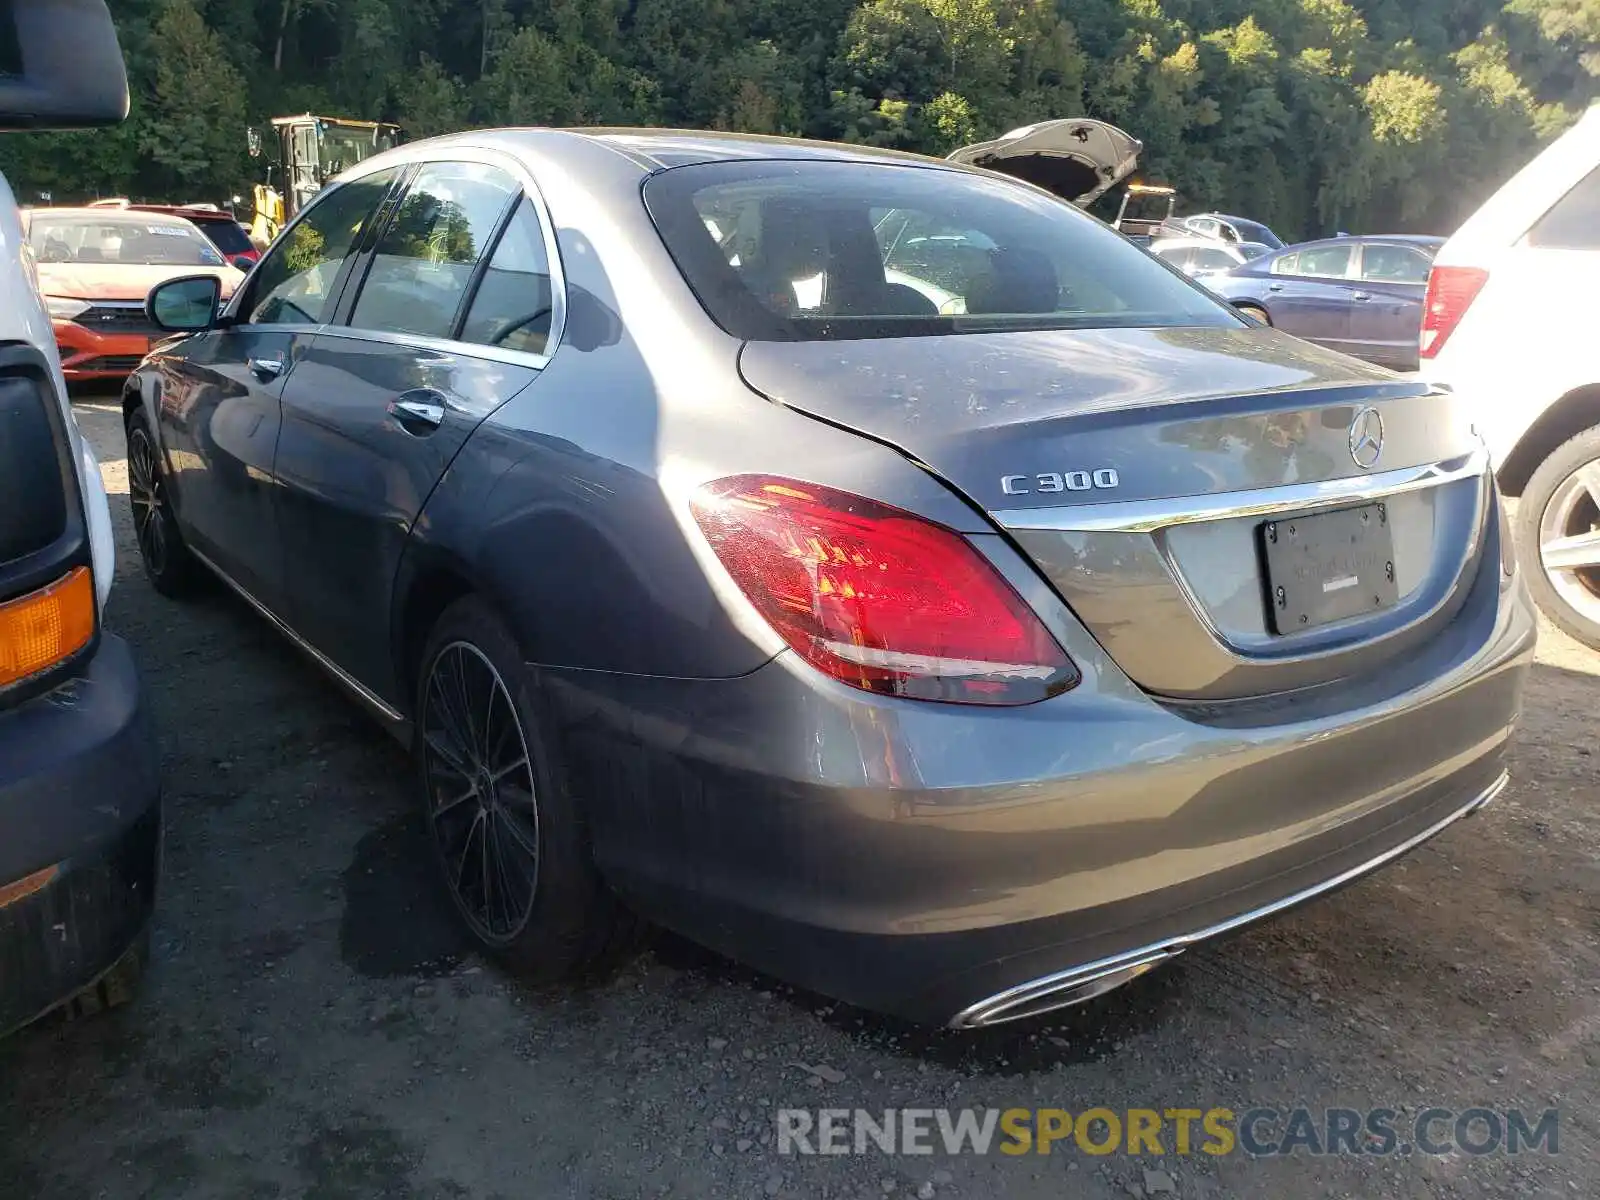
[1138, 468]
[1076, 158]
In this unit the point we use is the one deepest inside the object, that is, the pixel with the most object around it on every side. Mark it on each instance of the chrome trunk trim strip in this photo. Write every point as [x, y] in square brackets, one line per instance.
[1146, 516]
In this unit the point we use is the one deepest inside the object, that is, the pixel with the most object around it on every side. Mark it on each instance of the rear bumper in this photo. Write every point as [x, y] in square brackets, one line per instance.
[86, 354]
[919, 859]
[79, 833]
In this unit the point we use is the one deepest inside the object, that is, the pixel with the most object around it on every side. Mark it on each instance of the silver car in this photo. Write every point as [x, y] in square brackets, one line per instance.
[960, 650]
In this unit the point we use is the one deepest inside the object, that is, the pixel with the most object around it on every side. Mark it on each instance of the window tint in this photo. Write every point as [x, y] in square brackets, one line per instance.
[1573, 223]
[1324, 261]
[1383, 262]
[813, 249]
[294, 283]
[1286, 264]
[513, 301]
[425, 259]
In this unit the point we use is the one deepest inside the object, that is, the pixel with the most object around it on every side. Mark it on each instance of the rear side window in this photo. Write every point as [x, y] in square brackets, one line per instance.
[425, 259]
[1383, 262]
[1208, 258]
[512, 306]
[809, 250]
[1573, 223]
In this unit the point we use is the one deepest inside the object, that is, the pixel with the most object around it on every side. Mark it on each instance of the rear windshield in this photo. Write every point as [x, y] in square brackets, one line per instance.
[121, 239]
[807, 250]
[227, 236]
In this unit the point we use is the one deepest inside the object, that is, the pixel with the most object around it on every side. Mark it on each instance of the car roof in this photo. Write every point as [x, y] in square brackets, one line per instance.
[112, 215]
[657, 149]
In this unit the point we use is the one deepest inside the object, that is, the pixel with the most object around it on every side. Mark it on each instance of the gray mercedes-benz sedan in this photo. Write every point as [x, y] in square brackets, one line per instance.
[872, 567]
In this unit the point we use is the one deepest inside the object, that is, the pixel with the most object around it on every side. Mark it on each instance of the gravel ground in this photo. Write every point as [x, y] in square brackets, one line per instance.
[313, 1026]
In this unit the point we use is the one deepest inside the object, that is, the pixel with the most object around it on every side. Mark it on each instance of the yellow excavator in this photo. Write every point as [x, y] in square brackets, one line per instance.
[306, 151]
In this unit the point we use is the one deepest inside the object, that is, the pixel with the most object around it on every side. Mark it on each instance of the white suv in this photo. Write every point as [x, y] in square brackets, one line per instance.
[1512, 322]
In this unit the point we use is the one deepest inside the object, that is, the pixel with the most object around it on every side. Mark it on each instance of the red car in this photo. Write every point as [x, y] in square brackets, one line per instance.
[225, 233]
[96, 265]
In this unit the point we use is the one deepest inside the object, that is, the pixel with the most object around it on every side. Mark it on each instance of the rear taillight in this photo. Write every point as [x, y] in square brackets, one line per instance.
[879, 598]
[1451, 290]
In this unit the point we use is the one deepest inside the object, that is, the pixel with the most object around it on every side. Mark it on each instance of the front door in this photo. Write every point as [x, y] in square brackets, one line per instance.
[221, 390]
[434, 341]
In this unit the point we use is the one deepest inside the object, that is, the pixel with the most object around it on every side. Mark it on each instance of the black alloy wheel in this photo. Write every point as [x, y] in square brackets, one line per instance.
[482, 804]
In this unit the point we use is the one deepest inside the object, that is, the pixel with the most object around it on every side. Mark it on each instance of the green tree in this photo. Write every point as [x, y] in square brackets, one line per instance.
[195, 130]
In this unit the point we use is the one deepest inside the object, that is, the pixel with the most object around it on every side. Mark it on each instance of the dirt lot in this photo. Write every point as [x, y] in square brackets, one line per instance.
[313, 1027]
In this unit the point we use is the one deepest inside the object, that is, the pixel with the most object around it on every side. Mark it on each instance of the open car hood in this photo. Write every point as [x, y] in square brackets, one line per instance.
[1077, 158]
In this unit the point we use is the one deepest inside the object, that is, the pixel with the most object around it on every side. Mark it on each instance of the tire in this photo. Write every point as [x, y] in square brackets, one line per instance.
[1256, 312]
[1563, 499]
[518, 869]
[171, 569]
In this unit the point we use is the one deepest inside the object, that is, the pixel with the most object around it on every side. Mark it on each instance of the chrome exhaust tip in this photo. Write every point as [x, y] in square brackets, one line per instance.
[1062, 990]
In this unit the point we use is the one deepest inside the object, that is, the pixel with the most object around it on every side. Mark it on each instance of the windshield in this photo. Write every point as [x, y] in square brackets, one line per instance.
[344, 147]
[100, 239]
[786, 251]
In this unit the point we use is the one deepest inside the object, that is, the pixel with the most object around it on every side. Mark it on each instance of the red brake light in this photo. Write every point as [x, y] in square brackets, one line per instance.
[1450, 291]
[878, 597]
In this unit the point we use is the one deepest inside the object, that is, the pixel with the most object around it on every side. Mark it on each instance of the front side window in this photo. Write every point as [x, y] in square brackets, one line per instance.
[126, 240]
[1286, 264]
[809, 250]
[294, 284]
[1573, 222]
[1387, 263]
[512, 306]
[424, 261]
[1328, 262]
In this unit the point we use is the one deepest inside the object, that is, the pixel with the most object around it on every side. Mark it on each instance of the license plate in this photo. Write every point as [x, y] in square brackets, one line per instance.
[1328, 567]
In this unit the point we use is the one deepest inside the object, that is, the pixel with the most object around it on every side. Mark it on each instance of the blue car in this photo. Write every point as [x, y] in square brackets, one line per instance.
[1361, 295]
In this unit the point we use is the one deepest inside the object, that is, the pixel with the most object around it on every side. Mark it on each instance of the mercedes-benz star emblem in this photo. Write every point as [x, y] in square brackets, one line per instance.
[1366, 438]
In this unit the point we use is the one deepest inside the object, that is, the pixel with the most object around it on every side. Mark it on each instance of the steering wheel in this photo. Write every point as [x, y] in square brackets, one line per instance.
[502, 334]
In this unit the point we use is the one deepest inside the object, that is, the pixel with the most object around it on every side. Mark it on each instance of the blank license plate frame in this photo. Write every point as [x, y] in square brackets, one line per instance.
[1328, 567]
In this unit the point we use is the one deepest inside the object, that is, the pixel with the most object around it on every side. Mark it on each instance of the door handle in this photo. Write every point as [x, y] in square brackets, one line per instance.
[267, 368]
[1274, 287]
[1359, 296]
[419, 417]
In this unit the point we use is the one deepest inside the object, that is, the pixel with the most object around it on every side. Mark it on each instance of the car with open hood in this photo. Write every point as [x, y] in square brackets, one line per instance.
[958, 660]
[96, 266]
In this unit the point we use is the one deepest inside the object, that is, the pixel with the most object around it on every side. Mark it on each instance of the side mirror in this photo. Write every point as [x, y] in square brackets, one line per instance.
[60, 66]
[185, 305]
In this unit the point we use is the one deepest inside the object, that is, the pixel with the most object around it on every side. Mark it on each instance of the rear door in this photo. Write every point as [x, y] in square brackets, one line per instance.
[1386, 310]
[221, 390]
[452, 318]
[1309, 294]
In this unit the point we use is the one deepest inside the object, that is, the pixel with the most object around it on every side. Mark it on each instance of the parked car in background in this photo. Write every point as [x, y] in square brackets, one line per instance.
[95, 268]
[1227, 227]
[1205, 255]
[959, 665]
[222, 230]
[1512, 323]
[80, 794]
[1361, 295]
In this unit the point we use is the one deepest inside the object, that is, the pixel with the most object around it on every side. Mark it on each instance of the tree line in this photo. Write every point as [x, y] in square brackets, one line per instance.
[1313, 115]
